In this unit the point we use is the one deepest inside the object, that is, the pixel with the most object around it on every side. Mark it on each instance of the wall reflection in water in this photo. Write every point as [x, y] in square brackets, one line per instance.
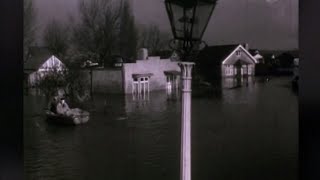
[234, 82]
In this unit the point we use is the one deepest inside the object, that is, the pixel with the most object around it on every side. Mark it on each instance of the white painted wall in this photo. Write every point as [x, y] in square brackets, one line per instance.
[153, 65]
[227, 67]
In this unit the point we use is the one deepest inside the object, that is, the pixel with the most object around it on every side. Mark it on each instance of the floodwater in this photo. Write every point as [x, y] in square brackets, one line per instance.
[244, 133]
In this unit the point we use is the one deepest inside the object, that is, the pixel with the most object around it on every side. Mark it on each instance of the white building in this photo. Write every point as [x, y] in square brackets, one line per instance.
[227, 61]
[150, 73]
[256, 54]
[39, 63]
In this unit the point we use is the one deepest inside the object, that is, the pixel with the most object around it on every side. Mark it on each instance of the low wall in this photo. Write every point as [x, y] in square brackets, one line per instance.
[155, 66]
[105, 80]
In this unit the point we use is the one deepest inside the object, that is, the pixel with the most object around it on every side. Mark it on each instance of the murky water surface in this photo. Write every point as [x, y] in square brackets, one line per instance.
[245, 133]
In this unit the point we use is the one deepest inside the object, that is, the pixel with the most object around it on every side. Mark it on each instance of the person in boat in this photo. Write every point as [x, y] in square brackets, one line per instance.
[53, 104]
[63, 108]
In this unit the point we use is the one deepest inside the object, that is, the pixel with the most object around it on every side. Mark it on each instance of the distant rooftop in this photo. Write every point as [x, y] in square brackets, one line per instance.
[217, 53]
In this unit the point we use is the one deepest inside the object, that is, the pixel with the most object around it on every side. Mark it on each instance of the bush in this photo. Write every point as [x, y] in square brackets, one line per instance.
[51, 82]
[71, 81]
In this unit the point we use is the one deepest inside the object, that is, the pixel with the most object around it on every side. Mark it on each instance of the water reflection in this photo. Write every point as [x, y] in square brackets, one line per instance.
[236, 82]
[245, 133]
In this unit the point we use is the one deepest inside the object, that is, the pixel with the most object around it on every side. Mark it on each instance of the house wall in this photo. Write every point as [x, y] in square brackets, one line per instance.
[228, 68]
[259, 58]
[33, 78]
[155, 66]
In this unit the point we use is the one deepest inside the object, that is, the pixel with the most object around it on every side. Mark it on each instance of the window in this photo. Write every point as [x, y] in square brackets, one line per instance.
[238, 52]
[228, 71]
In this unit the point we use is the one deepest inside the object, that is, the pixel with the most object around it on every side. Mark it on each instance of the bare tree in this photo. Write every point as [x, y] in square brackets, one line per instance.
[28, 26]
[56, 38]
[95, 36]
[153, 39]
[128, 34]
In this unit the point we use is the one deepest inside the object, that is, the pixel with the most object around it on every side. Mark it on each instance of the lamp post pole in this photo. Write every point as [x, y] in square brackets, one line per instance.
[185, 160]
[188, 20]
[91, 93]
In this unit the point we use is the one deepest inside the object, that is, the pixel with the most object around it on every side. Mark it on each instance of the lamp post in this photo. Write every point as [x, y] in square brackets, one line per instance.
[188, 20]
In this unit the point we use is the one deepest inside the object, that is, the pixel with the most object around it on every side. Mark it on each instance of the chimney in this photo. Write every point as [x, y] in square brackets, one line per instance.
[143, 54]
[246, 46]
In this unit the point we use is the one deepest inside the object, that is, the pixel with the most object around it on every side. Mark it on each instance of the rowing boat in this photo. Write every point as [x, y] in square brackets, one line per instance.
[81, 118]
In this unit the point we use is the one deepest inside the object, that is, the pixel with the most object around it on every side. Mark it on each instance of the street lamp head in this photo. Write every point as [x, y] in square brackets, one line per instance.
[189, 18]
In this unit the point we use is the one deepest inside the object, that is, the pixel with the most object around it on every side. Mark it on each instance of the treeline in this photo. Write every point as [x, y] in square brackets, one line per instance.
[103, 28]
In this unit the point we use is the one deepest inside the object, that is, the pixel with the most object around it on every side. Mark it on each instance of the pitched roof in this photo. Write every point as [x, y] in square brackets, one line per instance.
[37, 56]
[218, 53]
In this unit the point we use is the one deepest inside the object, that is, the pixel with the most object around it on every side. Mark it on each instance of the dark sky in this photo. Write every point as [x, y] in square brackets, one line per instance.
[264, 24]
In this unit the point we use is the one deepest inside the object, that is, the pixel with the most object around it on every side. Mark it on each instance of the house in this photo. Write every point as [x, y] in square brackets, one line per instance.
[216, 62]
[256, 54]
[150, 73]
[39, 63]
[264, 62]
[145, 74]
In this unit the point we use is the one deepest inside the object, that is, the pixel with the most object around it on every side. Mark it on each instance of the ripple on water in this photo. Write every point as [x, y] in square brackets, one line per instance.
[237, 129]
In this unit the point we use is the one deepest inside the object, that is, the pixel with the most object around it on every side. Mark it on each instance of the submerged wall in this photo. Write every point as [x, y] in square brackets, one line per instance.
[153, 65]
[105, 80]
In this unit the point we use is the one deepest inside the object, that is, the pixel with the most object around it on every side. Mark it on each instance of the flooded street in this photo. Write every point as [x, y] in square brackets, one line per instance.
[245, 133]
